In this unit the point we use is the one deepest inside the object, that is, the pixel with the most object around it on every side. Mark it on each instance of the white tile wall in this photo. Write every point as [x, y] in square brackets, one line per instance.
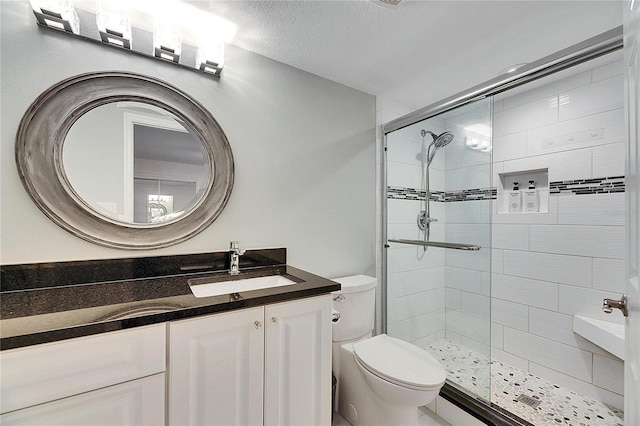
[469, 212]
[511, 314]
[424, 325]
[541, 294]
[534, 114]
[551, 217]
[567, 165]
[604, 95]
[513, 237]
[497, 261]
[598, 129]
[497, 336]
[471, 177]
[476, 305]
[587, 302]
[559, 327]
[608, 275]
[558, 356]
[510, 359]
[464, 279]
[510, 147]
[548, 267]
[607, 372]
[547, 90]
[557, 268]
[609, 160]
[609, 70]
[597, 209]
[467, 325]
[593, 241]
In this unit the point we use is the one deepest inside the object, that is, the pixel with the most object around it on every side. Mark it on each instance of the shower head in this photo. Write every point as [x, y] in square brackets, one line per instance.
[439, 141]
[443, 139]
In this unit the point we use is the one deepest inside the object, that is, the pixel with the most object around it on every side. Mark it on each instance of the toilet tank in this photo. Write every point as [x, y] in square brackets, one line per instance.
[356, 303]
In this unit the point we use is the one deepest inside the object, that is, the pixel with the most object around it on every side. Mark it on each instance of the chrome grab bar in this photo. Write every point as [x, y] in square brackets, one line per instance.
[455, 246]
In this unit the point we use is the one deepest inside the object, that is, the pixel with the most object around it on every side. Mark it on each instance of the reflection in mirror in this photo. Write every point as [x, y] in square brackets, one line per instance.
[135, 163]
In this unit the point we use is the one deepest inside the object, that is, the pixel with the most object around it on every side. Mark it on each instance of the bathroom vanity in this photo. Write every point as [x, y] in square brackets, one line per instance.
[128, 349]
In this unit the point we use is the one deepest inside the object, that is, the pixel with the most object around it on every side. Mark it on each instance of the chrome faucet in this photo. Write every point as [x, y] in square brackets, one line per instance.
[236, 252]
[608, 305]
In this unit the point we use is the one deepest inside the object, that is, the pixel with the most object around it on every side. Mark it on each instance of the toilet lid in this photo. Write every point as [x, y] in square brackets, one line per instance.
[399, 362]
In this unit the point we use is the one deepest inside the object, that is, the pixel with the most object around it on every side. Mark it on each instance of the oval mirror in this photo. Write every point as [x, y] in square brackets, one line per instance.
[135, 163]
[124, 160]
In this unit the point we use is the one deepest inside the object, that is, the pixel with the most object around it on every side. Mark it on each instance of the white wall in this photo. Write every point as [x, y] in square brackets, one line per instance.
[548, 267]
[304, 150]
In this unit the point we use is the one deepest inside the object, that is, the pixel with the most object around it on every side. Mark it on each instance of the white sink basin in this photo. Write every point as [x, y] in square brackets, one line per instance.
[201, 288]
[608, 335]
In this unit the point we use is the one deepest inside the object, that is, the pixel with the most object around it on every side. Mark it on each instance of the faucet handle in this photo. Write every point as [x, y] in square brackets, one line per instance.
[608, 305]
[234, 246]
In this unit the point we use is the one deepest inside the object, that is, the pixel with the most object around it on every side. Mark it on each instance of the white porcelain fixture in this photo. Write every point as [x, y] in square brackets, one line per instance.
[381, 380]
[606, 334]
[207, 289]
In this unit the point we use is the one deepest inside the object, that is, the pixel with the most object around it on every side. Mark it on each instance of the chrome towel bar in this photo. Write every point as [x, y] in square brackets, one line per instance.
[455, 246]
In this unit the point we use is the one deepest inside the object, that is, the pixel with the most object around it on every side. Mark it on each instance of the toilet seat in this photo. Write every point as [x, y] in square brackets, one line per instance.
[399, 362]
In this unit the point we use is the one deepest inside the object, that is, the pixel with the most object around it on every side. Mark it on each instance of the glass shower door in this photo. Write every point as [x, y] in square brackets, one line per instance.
[438, 230]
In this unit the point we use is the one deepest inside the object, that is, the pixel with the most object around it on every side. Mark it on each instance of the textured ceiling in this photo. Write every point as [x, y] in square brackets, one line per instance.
[419, 52]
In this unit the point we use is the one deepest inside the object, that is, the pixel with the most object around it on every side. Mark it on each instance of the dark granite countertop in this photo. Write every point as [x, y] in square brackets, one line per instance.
[90, 304]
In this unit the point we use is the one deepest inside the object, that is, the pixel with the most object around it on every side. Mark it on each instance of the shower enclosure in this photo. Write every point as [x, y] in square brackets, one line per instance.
[439, 196]
[502, 226]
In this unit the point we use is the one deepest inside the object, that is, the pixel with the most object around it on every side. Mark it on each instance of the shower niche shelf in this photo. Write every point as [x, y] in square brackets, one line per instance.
[509, 203]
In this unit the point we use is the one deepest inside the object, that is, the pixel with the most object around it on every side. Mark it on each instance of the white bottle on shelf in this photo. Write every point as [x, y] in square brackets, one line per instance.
[515, 199]
[531, 198]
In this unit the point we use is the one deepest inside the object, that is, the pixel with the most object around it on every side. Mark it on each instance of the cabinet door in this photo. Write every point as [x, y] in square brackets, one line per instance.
[134, 403]
[42, 373]
[298, 362]
[216, 369]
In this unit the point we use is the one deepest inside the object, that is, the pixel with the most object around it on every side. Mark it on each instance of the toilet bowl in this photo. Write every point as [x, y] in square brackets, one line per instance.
[384, 380]
[381, 380]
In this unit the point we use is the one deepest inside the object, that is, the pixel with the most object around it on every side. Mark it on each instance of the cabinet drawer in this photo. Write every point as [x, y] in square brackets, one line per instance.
[42, 373]
[139, 402]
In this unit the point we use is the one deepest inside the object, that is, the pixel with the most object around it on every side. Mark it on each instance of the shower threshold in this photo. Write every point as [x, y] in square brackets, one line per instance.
[557, 405]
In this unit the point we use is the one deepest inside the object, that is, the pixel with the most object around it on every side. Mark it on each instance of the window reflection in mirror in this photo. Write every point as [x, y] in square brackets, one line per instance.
[135, 163]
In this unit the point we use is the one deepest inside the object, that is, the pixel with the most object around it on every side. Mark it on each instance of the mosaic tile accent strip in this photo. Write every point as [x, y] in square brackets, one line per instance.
[476, 194]
[606, 185]
[558, 406]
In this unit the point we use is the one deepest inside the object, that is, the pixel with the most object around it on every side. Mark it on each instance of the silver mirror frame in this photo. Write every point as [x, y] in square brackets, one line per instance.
[40, 139]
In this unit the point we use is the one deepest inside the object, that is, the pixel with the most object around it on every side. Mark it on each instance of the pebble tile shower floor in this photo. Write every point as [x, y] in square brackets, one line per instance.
[557, 406]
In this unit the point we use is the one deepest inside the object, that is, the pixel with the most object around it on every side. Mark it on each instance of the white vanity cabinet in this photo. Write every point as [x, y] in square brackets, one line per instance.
[113, 378]
[266, 365]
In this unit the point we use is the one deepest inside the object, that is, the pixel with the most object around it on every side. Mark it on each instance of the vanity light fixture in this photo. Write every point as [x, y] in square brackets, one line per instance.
[58, 14]
[114, 23]
[210, 57]
[177, 28]
[167, 42]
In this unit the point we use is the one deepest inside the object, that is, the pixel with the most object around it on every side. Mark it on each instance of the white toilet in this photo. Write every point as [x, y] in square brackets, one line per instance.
[381, 380]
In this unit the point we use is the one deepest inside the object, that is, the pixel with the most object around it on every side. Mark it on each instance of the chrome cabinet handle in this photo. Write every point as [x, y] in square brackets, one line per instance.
[608, 305]
[258, 324]
[275, 320]
[339, 298]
